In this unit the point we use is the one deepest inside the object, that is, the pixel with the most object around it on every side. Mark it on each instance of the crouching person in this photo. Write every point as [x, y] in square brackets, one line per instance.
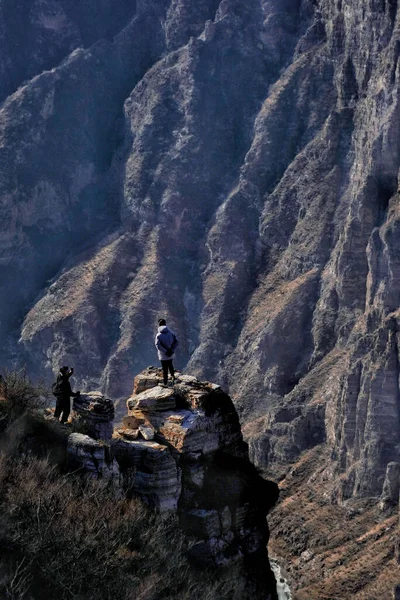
[63, 392]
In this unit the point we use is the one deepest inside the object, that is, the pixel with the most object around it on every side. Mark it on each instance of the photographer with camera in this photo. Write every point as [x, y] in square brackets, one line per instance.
[63, 392]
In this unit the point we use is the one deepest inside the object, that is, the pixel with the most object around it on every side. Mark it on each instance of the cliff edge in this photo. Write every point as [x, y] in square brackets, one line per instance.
[181, 449]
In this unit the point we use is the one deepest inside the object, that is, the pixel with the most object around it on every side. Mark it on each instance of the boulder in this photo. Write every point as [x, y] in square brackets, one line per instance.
[149, 471]
[147, 379]
[147, 432]
[96, 413]
[128, 434]
[151, 400]
[91, 455]
[151, 377]
[197, 465]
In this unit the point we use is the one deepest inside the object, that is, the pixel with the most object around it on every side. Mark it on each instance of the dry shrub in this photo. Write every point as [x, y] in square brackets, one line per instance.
[67, 537]
[64, 537]
[22, 397]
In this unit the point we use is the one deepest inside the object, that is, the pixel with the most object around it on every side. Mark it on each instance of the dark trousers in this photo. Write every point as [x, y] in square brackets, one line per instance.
[167, 365]
[63, 405]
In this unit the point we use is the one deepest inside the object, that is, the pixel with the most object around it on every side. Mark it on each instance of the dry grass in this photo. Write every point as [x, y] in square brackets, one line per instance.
[64, 537]
[67, 537]
[274, 296]
[351, 550]
[21, 397]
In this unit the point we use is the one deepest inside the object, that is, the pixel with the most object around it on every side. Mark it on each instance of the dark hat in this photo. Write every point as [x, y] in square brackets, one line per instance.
[161, 322]
[64, 370]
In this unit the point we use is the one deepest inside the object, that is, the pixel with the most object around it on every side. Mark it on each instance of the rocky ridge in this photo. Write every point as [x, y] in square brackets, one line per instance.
[240, 176]
[180, 449]
[184, 197]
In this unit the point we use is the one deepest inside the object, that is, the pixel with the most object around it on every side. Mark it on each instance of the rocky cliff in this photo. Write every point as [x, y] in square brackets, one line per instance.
[180, 449]
[232, 166]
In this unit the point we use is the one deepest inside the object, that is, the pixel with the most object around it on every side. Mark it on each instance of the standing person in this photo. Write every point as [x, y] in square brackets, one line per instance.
[166, 342]
[63, 392]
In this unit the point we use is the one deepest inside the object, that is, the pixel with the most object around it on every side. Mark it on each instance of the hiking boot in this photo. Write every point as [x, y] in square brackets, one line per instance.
[164, 385]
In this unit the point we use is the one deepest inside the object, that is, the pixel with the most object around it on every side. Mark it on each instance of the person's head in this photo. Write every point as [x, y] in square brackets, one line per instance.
[161, 322]
[64, 370]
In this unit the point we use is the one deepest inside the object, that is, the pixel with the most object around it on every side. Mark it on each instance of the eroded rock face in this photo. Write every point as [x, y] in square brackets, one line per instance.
[95, 413]
[180, 449]
[391, 487]
[148, 470]
[92, 456]
[240, 175]
[196, 464]
[50, 31]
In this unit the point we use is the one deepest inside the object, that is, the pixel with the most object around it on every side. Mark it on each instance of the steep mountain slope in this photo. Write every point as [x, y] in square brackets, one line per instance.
[37, 34]
[233, 166]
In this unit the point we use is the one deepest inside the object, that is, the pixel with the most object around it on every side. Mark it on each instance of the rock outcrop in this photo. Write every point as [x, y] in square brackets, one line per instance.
[181, 449]
[92, 456]
[264, 224]
[95, 413]
[391, 486]
[234, 166]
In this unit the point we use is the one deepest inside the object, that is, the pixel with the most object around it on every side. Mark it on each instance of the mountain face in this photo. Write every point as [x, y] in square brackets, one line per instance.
[232, 166]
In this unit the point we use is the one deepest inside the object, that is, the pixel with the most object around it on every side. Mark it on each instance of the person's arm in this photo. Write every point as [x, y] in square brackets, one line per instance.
[71, 393]
[175, 343]
[159, 345]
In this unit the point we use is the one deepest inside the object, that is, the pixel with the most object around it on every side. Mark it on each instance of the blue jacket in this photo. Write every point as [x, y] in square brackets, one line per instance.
[165, 340]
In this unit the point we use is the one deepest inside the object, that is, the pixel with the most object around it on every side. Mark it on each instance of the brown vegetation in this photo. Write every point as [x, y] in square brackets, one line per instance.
[20, 396]
[63, 536]
[332, 552]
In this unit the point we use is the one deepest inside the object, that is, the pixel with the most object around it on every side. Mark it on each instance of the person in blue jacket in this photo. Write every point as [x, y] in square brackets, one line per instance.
[166, 343]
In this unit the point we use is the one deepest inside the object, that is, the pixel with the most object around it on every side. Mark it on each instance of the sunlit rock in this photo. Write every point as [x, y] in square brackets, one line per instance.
[96, 413]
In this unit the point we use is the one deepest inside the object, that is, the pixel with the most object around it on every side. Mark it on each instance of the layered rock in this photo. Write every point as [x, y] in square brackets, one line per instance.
[240, 175]
[95, 413]
[92, 456]
[180, 449]
[197, 464]
[148, 470]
